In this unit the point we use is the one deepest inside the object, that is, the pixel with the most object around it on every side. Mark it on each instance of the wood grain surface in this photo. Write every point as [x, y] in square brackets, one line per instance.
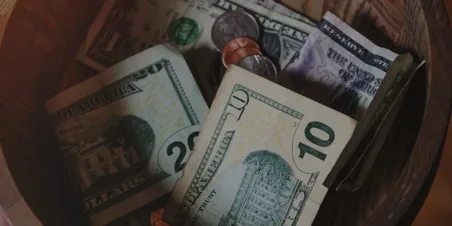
[437, 208]
[6, 8]
[37, 61]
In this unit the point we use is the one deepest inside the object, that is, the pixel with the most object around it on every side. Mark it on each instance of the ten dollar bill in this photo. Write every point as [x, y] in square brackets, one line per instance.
[262, 149]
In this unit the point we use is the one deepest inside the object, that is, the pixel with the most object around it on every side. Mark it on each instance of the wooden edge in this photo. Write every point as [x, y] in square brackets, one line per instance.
[429, 143]
[14, 206]
[15, 209]
[310, 8]
[6, 8]
[412, 213]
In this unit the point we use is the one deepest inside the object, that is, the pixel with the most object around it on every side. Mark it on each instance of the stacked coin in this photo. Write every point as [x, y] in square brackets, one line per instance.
[234, 34]
[260, 65]
[237, 49]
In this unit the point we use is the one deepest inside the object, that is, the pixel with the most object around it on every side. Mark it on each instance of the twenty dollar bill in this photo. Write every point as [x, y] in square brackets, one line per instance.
[261, 158]
[126, 134]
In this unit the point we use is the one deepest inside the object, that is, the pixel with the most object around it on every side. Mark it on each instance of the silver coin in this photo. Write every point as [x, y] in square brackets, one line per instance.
[234, 24]
[260, 65]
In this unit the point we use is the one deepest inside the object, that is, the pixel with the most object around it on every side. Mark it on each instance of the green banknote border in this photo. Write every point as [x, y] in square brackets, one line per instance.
[181, 93]
[191, 114]
[228, 5]
[130, 79]
[264, 99]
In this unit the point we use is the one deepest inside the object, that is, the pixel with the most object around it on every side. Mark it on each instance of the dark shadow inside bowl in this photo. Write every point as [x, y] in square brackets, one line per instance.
[344, 208]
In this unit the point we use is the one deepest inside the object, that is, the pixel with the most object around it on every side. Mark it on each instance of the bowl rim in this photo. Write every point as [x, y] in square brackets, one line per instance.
[403, 197]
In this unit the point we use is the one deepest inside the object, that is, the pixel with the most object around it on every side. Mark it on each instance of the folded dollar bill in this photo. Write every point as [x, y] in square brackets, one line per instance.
[126, 134]
[339, 67]
[261, 157]
[342, 69]
[124, 28]
[281, 36]
[368, 138]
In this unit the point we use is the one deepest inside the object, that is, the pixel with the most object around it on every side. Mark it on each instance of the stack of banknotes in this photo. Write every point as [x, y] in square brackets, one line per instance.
[158, 138]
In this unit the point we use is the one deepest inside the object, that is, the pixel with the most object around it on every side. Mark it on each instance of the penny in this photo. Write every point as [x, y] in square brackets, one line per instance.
[241, 53]
[260, 65]
[234, 24]
[156, 218]
[234, 44]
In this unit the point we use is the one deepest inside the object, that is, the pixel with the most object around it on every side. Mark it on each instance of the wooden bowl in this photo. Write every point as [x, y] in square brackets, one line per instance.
[37, 61]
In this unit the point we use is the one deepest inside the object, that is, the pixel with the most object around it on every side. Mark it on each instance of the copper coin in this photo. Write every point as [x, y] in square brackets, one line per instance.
[241, 53]
[236, 43]
[156, 218]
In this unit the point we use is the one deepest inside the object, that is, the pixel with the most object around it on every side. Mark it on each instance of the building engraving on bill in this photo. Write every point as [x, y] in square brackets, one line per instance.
[266, 192]
[109, 156]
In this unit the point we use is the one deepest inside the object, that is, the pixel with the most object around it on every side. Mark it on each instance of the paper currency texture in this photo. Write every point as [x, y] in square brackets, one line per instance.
[261, 158]
[127, 133]
[339, 67]
[124, 28]
[359, 154]
[281, 37]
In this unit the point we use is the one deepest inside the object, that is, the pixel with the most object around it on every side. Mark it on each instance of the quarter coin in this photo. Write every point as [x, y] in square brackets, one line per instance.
[260, 65]
[234, 24]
